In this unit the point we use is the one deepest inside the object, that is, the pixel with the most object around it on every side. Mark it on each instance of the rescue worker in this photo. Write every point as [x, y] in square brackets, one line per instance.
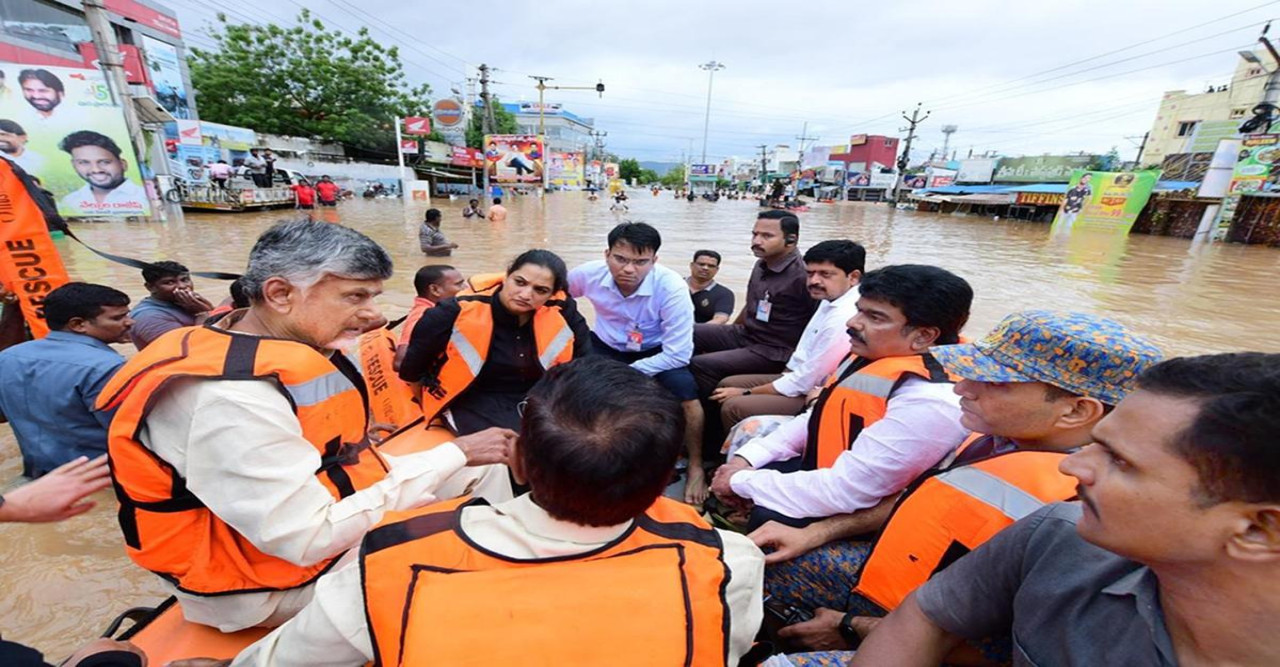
[239, 448]
[477, 355]
[887, 415]
[1031, 392]
[591, 567]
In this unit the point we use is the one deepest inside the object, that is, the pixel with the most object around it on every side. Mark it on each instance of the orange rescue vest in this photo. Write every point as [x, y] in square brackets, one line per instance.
[468, 346]
[858, 396]
[951, 511]
[655, 596]
[167, 529]
[390, 398]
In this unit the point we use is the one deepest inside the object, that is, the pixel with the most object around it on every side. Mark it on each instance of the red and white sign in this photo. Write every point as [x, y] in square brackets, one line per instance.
[409, 146]
[417, 125]
[466, 157]
[139, 13]
[447, 112]
[134, 70]
[189, 132]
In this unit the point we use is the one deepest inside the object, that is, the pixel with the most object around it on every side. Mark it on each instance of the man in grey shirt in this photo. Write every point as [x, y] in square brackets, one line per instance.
[1172, 557]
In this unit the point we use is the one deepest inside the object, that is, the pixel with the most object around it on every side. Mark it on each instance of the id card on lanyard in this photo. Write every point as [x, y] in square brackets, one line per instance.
[635, 338]
[763, 307]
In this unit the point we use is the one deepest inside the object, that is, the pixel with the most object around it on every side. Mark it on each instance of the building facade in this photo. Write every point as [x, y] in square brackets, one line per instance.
[54, 33]
[565, 131]
[1196, 122]
[868, 152]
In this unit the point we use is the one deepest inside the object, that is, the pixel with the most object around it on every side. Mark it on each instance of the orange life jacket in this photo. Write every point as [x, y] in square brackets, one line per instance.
[951, 511]
[856, 397]
[655, 596]
[472, 332]
[167, 529]
[390, 398]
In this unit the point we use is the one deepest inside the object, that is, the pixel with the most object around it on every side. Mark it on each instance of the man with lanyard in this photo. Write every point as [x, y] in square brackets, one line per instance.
[778, 308]
[239, 449]
[1171, 556]
[887, 415]
[644, 318]
[1031, 392]
[833, 268]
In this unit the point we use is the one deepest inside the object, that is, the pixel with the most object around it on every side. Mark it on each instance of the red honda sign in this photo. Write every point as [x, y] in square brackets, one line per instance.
[140, 13]
[417, 125]
[134, 70]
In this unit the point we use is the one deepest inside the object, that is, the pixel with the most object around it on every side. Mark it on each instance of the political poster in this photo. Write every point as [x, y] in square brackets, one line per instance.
[566, 170]
[1104, 200]
[513, 158]
[164, 70]
[60, 125]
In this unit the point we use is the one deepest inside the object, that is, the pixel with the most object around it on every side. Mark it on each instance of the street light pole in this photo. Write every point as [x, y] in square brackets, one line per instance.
[711, 67]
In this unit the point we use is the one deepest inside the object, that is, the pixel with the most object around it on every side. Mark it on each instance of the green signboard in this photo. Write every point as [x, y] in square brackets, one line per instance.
[1104, 200]
[1040, 169]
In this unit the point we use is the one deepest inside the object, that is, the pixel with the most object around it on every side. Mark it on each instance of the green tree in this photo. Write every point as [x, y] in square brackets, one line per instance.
[674, 177]
[305, 80]
[504, 123]
[649, 177]
[629, 169]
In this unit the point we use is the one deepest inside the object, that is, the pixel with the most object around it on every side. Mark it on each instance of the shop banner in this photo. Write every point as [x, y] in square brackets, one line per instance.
[462, 156]
[134, 71]
[1040, 169]
[1257, 170]
[61, 126]
[611, 170]
[29, 263]
[1040, 199]
[513, 158]
[976, 170]
[566, 170]
[1104, 200]
[165, 72]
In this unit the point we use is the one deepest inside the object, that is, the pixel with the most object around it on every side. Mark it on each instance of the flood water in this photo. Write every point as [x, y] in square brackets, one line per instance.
[61, 584]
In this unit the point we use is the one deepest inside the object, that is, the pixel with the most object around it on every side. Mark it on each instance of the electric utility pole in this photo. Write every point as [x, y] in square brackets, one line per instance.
[486, 127]
[711, 68]
[803, 138]
[910, 129]
[764, 166]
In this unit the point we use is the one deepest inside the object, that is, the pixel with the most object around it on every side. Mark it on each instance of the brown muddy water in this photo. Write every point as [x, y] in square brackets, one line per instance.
[61, 584]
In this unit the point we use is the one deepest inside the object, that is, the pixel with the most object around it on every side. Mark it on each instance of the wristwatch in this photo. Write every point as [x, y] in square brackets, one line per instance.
[851, 636]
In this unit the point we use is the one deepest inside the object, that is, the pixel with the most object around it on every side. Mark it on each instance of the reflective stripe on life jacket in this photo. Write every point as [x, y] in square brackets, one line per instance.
[654, 596]
[167, 529]
[856, 397]
[468, 346]
[950, 512]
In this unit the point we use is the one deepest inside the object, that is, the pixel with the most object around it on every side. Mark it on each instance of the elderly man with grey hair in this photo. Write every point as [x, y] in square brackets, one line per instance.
[239, 448]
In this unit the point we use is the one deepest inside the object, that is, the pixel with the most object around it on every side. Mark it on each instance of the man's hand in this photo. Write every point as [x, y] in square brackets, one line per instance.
[191, 302]
[722, 394]
[695, 486]
[821, 633]
[58, 495]
[453, 246]
[786, 542]
[103, 645]
[720, 482]
[492, 445]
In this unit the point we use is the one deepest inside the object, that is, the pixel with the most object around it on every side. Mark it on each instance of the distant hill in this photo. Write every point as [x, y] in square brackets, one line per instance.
[661, 167]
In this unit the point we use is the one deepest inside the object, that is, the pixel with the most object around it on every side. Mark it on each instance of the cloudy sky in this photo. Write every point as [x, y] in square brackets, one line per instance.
[1015, 77]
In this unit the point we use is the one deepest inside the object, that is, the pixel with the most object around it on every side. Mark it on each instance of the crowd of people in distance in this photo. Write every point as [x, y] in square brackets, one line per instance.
[834, 473]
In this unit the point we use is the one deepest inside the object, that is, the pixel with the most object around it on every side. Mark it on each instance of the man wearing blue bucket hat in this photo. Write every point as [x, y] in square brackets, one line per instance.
[1031, 392]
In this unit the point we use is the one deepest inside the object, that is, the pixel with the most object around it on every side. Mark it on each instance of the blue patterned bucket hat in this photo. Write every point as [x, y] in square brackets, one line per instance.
[1083, 354]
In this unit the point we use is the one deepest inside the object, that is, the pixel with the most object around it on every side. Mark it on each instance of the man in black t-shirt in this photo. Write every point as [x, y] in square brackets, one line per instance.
[712, 302]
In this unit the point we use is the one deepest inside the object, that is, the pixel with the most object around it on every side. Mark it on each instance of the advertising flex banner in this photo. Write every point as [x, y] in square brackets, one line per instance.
[514, 158]
[58, 123]
[566, 170]
[165, 73]
[1257, 169]
[1104, 200]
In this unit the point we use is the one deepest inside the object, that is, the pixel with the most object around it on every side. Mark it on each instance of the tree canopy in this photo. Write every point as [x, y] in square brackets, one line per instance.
[306, 80]
[674, 177]
[504, 123]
